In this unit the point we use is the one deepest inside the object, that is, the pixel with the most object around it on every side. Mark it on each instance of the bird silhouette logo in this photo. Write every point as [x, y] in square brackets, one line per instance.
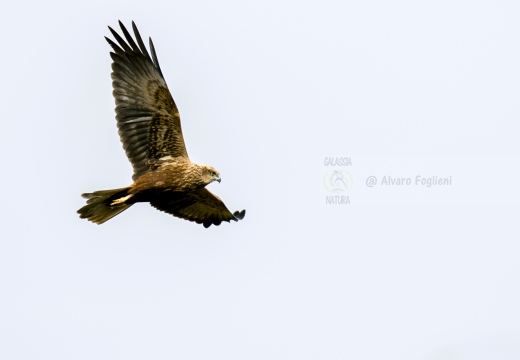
[338, 181]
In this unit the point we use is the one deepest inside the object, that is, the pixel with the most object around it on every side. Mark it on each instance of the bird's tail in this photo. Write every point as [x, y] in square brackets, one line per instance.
[103, 205]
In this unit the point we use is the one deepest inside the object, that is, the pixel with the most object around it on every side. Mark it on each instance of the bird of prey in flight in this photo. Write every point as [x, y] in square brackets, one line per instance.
[150, 130]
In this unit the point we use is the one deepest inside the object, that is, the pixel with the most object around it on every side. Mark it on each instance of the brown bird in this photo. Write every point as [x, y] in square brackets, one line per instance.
[150, 130]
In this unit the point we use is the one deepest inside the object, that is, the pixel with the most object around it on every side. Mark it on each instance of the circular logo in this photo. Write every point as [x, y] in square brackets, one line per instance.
[338, 181]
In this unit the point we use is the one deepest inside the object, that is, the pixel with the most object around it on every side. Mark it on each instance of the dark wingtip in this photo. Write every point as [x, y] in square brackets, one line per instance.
[140, 41]
[239, 215]
[154, 57]
[111, 30]
[114, 46]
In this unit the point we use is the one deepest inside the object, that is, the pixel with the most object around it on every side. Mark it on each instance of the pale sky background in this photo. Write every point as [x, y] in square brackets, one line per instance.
[267, 90]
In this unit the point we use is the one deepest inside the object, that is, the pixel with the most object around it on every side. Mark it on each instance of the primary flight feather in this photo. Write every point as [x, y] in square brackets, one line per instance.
[150, 130]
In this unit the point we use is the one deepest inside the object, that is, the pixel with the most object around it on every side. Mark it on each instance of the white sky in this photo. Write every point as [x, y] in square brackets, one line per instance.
[267, 91]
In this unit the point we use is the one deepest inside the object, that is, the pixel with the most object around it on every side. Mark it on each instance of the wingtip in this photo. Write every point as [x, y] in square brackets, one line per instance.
[239, 215]
[134, 27]
[122, 26]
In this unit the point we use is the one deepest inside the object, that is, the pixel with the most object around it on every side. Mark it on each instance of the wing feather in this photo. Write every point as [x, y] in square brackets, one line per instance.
[128, 37]
[154, 57]
[200, 206]
[147, 117]
[120, 40]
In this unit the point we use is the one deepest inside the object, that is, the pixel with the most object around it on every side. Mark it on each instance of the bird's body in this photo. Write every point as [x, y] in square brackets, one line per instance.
[176, 175]
[150, 130]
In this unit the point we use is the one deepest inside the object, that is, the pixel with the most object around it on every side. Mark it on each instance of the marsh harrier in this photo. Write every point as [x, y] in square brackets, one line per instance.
[150, 130]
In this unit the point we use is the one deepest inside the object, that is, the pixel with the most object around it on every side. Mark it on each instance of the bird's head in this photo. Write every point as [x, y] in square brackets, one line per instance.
[209, 174]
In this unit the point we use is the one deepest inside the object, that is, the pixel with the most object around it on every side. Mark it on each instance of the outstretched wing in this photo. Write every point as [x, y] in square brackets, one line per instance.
[147, 117]
[200, 206]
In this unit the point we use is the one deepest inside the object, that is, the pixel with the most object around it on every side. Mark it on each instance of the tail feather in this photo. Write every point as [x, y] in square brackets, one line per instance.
[100, 207]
